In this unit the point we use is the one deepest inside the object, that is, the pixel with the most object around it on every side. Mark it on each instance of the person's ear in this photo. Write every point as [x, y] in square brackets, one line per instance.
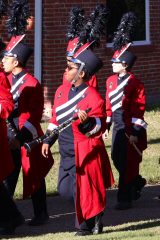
[81, 74]
[16, 62]
[125, 66]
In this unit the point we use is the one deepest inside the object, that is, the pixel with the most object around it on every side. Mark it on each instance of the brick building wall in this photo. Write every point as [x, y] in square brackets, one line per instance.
[55, 22]
[54, 26]
[55, 16]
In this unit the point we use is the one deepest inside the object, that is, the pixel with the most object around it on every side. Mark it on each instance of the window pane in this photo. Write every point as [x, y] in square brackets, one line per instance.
[118, 8]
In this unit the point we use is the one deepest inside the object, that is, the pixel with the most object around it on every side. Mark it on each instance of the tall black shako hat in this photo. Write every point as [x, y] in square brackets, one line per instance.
[17, 23]
[18, 49]
[123, 39]
[87, 58]
[86, 38]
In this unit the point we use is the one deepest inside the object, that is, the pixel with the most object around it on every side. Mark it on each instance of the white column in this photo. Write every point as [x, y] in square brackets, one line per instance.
[38, 40]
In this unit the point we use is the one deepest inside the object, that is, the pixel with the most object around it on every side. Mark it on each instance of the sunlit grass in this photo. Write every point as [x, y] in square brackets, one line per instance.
[142, 230]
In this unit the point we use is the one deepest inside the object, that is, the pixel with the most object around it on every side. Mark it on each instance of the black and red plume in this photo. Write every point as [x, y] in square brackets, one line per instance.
[95, 26]
[19, 13]
[125, 31]
[76, 22]
[98, 20]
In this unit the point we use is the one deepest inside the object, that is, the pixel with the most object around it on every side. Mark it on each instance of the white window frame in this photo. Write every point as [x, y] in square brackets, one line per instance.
[147, 41]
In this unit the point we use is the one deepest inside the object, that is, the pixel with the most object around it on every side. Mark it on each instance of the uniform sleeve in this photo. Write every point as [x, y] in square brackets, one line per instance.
[52, 137]
[53, 122]
[90, 127]
[6, 100]
[51, 126]
[137, 104]
[138, 109]
[31, 105]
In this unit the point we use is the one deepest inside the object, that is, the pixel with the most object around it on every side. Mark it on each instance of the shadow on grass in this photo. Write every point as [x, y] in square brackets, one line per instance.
[154, 141]
[62, 214]
[144, 225]
[136, 226]
[153, 107]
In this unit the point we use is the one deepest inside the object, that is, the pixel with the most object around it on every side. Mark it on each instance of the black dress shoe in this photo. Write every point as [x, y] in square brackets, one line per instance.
[39, 220]
[83, 233]
[123, 205]
[141, 182]
[137, 187]
[98, 228]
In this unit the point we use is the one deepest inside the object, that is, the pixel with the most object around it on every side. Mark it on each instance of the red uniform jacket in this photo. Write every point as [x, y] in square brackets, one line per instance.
[93, 171]
[6, 107]
[28, 97]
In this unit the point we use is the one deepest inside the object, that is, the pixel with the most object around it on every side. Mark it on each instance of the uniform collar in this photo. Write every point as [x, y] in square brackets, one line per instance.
[19, 75]
[79, 88]
[124, 77]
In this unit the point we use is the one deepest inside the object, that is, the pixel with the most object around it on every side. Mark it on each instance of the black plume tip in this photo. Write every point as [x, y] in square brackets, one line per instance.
[18, 15]
[95, 26]
[76, 22]
[3, 7]
[99, 24]
[125, 31]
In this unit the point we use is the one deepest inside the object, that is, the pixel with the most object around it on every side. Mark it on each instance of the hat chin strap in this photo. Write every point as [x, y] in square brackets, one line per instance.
[79, 70]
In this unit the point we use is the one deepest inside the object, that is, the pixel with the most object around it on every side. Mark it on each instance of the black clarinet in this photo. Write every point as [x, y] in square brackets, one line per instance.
[55, 132]
[11, 127]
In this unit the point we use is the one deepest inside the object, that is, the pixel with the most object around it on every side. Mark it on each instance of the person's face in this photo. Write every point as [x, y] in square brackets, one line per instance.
[118, 67]
[9, 64]
[71, 71]
[68, 59]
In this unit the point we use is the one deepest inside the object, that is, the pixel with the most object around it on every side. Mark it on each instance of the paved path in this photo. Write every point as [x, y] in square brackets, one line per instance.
[62, 213]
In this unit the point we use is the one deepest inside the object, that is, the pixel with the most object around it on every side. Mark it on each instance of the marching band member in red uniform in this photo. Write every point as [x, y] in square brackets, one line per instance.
[6, 107]
[25, 120]
[10, 217]
[84, 172]
[125, 107]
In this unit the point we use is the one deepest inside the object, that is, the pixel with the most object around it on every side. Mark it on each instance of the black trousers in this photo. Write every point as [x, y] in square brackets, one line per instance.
[67, 189]
[8, 208]
[67, 183]
[119, 157]
[38, 198]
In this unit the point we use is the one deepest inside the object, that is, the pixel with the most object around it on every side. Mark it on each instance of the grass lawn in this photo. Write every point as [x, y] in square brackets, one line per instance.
[150, 169]
[136, 231]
